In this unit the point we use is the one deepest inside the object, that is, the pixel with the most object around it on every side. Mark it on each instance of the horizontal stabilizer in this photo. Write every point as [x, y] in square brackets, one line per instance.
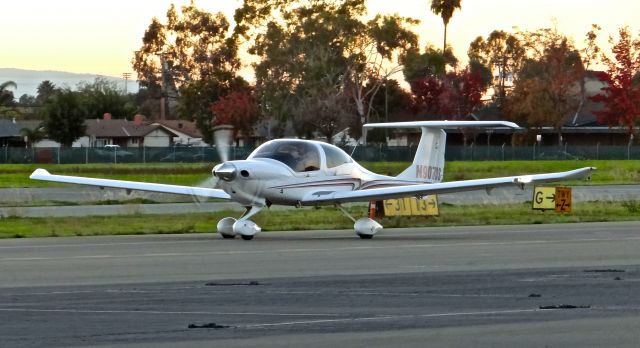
[443, 124]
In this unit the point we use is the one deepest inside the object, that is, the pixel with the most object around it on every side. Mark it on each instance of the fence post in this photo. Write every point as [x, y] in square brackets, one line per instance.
[597, 150]
[473, 147]
[565, 151]
[58, 154]
[6, 153]
[503, 145]
[144, 154]
[86, 155]
[534, 151]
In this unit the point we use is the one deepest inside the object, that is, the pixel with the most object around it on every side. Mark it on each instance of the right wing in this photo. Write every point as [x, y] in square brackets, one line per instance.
[330, 197]
[42, 174]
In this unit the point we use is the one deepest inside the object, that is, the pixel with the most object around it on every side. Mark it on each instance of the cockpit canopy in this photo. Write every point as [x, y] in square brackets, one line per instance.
[302, 156]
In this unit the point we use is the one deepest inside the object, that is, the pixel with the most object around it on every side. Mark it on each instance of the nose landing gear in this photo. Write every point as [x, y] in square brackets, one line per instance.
[245, 228]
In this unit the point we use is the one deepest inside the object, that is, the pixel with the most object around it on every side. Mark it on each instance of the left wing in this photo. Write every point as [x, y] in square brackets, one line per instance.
[328, 197]
[42, 174]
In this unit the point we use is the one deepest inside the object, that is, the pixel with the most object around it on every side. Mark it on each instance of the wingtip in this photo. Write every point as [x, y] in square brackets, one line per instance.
[39, 173]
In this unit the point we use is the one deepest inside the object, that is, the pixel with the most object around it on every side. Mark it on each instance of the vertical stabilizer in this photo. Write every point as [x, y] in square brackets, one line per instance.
[428, 163]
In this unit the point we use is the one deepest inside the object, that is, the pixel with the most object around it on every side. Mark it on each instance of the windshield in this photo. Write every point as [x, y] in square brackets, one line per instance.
[300, 156]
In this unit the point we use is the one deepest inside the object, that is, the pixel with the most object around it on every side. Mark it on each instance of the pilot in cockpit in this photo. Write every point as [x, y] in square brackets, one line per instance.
[306, 159]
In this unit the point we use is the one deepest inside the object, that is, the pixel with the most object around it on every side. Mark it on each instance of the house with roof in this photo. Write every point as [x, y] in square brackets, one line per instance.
[124, 133]
[186, 132]
[10, 134]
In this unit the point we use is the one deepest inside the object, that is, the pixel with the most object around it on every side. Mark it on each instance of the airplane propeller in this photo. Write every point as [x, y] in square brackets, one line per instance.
[222, 136]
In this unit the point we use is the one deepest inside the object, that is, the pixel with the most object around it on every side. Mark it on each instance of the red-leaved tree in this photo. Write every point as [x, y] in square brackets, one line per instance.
[464, 93]
[238, 109]
[621, 96]
[452, 96]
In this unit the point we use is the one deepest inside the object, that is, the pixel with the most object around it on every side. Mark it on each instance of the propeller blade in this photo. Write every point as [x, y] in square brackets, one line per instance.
[222, 136]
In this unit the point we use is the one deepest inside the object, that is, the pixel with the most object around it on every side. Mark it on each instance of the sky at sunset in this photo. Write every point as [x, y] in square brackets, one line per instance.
[100, 36]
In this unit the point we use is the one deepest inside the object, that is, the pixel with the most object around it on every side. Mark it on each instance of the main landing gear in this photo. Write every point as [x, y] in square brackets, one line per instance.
[229, 227]
[365, 228]
[245, 228]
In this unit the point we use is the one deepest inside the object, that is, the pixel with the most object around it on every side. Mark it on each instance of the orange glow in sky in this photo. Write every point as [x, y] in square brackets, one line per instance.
[100, 36]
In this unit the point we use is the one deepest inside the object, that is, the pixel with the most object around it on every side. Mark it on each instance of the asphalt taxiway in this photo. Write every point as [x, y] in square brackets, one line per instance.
[539, 285]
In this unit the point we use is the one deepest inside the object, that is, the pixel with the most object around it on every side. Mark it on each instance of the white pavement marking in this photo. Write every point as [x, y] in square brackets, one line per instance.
[392, 317]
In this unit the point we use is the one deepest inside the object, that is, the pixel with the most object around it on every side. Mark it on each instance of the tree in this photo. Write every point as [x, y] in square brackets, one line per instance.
[64, 117]
[193, 45]
[321, 47]
[33, 135]
[196, 100]
[464, 90]
[325, 111]
[441, 95]
[6, 96]
[589, 54]
[373, 59]
[452, 96]
[103, 96]
[45, 89]
[192, 58]
[546, 92]
[445, 9]
[430, 63]
[504, 54]
[621, 96]
[391, 103]
[238, 109]
[27, 100]
[427, 97]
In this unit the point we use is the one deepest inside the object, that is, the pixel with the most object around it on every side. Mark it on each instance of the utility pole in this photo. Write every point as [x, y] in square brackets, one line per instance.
[126, 77]
[163, 96]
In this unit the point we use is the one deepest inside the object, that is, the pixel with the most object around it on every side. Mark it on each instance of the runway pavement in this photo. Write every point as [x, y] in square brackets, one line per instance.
[463, 286]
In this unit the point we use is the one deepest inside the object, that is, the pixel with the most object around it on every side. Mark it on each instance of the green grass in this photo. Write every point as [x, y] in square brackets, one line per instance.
[609, 172]
[311, 218]
[17, 175]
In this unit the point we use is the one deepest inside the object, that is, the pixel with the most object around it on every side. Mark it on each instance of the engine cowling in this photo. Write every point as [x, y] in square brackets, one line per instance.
[366, 228]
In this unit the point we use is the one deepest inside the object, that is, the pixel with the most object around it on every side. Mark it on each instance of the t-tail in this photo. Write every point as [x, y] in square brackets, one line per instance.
[428, 163]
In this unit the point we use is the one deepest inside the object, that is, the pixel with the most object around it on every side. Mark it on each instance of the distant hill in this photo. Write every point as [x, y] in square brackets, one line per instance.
[28, 80]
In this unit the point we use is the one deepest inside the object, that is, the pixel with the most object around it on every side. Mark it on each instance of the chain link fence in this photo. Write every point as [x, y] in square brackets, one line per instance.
[374, 153]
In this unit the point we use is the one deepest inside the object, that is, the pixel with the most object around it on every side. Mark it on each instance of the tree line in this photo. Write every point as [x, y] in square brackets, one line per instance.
[324, 65]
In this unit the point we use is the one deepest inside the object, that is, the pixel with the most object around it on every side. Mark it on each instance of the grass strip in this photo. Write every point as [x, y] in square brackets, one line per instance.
[609, 172]
[312, 218]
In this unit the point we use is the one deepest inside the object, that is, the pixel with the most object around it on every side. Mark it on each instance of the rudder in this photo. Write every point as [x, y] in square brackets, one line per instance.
[428, 163]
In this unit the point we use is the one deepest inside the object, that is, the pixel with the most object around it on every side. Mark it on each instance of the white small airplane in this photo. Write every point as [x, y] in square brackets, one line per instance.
[311, 173]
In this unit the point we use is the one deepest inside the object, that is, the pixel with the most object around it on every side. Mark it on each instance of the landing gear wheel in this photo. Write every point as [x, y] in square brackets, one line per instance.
[365, 236]
[227, 236]
[246, 237]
